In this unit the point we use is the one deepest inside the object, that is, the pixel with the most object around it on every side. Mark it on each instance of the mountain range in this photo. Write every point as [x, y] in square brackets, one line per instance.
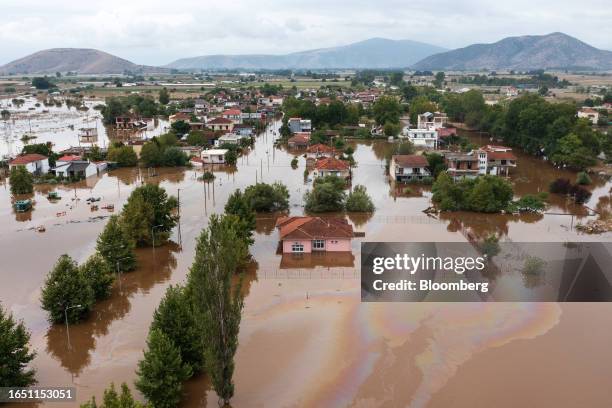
[551, 51]
[372, 53]
[81, 60]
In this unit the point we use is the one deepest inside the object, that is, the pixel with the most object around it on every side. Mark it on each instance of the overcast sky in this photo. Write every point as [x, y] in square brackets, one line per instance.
[155, 32]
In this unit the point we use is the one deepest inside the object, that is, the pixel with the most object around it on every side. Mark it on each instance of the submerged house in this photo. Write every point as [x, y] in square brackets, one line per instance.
[408, 167]
[34, 163]
[330, 166]
[75, 169]
[309, 234]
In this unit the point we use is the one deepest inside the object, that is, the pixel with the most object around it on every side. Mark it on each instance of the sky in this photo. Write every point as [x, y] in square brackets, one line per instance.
[158, 32]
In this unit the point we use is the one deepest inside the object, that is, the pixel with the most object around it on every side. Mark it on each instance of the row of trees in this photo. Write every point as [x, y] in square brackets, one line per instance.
[324, 115]
[327, 195]
[71, 290]
[537, 126]
[195, 328]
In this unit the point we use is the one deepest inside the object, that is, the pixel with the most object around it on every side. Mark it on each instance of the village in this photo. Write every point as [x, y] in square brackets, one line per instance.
[312, 172]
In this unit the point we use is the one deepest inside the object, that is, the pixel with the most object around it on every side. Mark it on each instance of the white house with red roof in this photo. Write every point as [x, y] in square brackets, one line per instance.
[235, 115]
[220, 124]
[408, 168]
[319, 150]
[309, 234]
[34, 163]
[330, 166]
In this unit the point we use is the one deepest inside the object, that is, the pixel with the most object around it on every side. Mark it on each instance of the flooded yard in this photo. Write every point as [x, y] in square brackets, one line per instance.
[306, 339]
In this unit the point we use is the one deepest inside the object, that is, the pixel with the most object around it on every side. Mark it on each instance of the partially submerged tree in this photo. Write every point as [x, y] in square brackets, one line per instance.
[162, 371]
[98, 273]
[175, 318]
[218, 303]
[15, 354]
[67, 292]
[359, 201]
[21, 180]
[116, 247]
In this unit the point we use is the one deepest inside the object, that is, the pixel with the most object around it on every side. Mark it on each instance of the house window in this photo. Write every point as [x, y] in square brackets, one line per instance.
[318, 244]
[297, 247]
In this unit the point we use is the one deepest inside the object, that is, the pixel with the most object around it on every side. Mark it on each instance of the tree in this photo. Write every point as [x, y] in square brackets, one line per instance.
[162, 371]
[149, 210]
[15, 355]
[436, 164]
[571, 152]
[180, 127]
[175, 318]
[21, 180]
[420, 104]
[218, 305]
[113, 400]
[41, 83]
[264, 197]
[489, 194]
[99, 276]
[387, 109]
[174, 157]
[116, 247]
[359, 201]
[325, 197]
[164, 96]
[391, 129]
[151, 154]
[196, 138]
[231, 157]
[124, 156]
[238, 205]
[439, 79]
[66, 287]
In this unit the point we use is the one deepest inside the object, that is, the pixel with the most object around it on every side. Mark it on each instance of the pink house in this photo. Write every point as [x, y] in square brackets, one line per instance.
[309, 234]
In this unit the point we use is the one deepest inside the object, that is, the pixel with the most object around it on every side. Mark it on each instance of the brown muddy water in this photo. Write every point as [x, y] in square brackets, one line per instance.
[306, 340]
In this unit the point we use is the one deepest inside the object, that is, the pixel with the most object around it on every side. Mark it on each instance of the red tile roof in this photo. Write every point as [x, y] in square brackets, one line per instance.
[313, 228]
[445, 132]
[320, 148]
[410, 160]
[331, 163]
[501, 156]
[69, 157]
[232, 112]
[219, 121]
[301, 138]
[27, 158]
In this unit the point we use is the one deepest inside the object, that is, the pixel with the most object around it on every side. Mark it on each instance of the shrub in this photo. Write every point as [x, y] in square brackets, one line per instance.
[583, 178]
[267, 197]
[359, 200]
[21, 180]
[560, 186]
[581, 195]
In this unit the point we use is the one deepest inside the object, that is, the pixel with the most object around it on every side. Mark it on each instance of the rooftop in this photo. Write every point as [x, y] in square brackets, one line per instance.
[331, 163]
[313, 228]
[27, 158]
[410, 160]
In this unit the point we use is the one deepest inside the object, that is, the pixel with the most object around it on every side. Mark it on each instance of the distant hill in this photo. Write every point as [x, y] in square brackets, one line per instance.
[80, 60]
[372, 53]
[552, 51]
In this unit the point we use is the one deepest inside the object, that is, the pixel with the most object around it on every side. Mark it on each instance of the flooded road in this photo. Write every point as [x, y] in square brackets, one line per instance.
[305, 338]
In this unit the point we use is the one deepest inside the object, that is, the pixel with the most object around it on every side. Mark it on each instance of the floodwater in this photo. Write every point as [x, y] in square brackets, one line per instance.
[58, 124]
[306, 340]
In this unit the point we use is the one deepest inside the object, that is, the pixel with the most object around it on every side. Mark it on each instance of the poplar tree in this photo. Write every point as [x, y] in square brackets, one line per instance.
[217, 302]
[162, 371]
[175, 318]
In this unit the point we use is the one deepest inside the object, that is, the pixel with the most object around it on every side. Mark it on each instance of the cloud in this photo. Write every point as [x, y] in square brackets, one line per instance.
[154, 32]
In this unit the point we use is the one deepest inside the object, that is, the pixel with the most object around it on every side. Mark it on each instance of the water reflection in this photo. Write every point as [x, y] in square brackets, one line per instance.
[73, 348]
